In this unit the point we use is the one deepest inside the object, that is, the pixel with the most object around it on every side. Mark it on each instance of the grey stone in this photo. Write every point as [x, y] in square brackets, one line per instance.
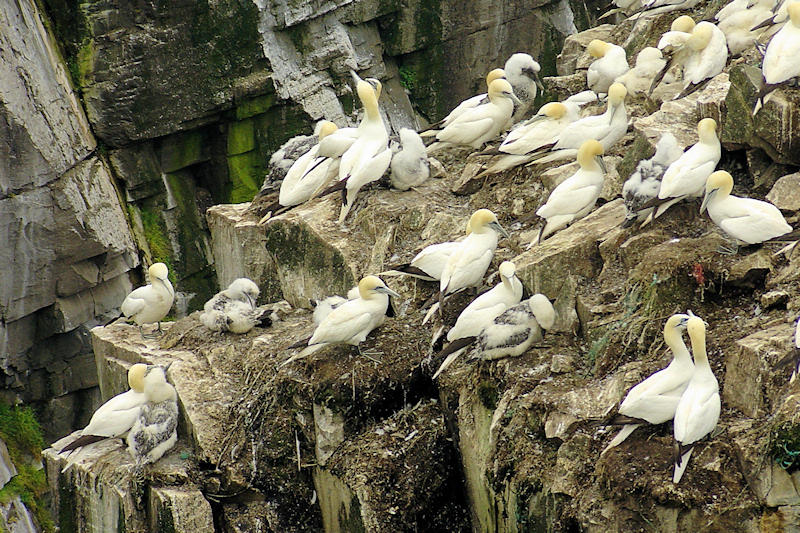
[785, 194]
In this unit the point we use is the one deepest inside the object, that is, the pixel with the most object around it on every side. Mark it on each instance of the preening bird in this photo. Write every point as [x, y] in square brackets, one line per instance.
[698, 410]
[611, 62]
[410, 166]
[680, 30]
[117, 416]
[654, 400]
[780, 61]
[483, 310]
[702, 55]
[353, 320]
[234, 309]
[642, 187]
[745, 219]
[575, 197]
[151, 303]
[482, 123]
[155, 431]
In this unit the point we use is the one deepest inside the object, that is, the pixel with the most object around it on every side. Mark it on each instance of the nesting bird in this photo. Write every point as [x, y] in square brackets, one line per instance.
[703, 55]
[745, 219]
[351, 322]
[642, 187]
[611, 62]
[322, 308]
[117, 416]
[654, 400]
[737, 21]
[155, 431]
[575, 197]
[481, 311]
[780, 61]
[304, 178]
[234, 309]
[698, 410]
[649, 62]
[410, 166]
[151, 303]
[522, 72]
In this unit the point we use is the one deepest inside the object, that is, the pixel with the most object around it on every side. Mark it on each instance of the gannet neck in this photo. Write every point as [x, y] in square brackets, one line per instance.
[326, 129]
[598, 48]
[701, 36]
[554, 110]
[616, 95]
[697, 333]
[366, 93]
[507, 272]
[495, 74]
[673, 337]
[136, 375]
[707, 131]
[587, 154]
[500, 89]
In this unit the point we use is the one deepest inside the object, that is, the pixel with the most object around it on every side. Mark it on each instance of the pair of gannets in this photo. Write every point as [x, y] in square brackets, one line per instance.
[611, 62]
[308, 175]
[410, 166]
[482, 310]
[351, 321]
[575, 197]
[642, 187]
[151, 303]
[234, 309]
[780, 61]
[702, 54]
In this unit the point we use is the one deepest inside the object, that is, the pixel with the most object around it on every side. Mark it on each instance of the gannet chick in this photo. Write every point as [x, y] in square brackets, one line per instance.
[698, 409]
[284, 157]
[745, 219]
[352, 321]
[241, 289]
[483, 310]
[780, 61]
[611, 63]
[480, 124]
[649, 63]
[155, 431]
[522, 72]
[152, 302]
[775, 19]
[410, 166]
[575, 197]
[236, 317]
[654, 400]
[686, 177]
[468, 262]
[117, 416]
[466, 105]
[323, 308]
[642, 186]
[607, 128]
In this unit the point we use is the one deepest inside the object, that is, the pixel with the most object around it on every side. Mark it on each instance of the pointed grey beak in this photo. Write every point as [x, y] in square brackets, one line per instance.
[167, 367]
[499, 229]
[387, 290]
[356, 77]
[251, 301]
[538, 81]
[706, 199]
[599, 159]
[513, 98]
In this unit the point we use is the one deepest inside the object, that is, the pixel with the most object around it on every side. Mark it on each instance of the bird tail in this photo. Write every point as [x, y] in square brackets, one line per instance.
[660, 76]
[83, 440]
[681, 463]
[338, 186]
[452, 357]
[264, 317]
[623, 434]
[458, 344]
[302, 342]
[435, 147]
[304, 353]
[430, 313]
[407, 270]
[114, 320]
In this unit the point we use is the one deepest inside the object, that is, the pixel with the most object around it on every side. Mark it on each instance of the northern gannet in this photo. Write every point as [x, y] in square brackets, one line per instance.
[155, 431]
[152, 302]
[679, 32]
[467, 263]
[234, 309]
[642, 186]
[284, 157]
[780, 61]
[575, 197]
[745, 219]
[301, 182]
[649, 62]
[480, 124]
[522, 72]
[654, 400]
[702, 56]
[410, 166]
[686, 177]
[698, 409]
[466, 105]
[353, 320]
[653, 7]
[242, 289]
[737, 24]
[611, 62]
[117, 416]
[322, 308]
[483, 310]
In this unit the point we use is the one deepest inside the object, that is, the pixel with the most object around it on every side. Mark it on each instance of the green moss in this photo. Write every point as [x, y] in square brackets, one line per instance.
[487, 392]
[255, 106]
[183, 150]
[155, 235]
[18, 425]
[408, 78]
[245, 174]
[241, 137]
[166, 523]
[784, 446]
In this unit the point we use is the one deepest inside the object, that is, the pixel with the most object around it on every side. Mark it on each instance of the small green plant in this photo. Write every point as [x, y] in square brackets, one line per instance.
[408, 78]
[785, 446]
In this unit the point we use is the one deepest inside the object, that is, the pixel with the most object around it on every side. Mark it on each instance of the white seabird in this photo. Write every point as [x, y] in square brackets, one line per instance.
[679, 32]
[117, 416]
[301, 182]
[649, 62]
[653, 7]
[642, 186]
[152, 302]
[745, 219]
[466, 105]
[575, 197]
[698, 409]
[284, 157]
[155, 431]
[654, 400]
[410, 166]
[322, 308]
[467, 264]
[480, 124]
[686, 177]
[738, 24]
[234, 309]
[482, 310]
[780, 61]
[702, 56]
[522, 72]
[352, 321]
[611, 62]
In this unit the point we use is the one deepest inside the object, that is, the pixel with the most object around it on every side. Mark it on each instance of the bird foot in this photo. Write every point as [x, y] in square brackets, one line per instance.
[728, 249]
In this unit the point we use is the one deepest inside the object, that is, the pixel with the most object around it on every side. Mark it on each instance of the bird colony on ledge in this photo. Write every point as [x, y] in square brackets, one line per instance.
[506, 320]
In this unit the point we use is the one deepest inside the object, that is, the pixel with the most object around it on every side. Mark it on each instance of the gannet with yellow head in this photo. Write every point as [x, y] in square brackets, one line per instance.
[610, 63]
[151, 303]
[155, 431]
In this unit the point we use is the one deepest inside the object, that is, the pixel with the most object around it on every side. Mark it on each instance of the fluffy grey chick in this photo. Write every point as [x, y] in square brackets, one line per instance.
[522, 72]
[234, 309]
[642, 186]
[155, 431]
[410, 166]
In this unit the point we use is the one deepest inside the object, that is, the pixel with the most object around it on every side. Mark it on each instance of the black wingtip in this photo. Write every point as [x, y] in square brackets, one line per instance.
[298, 344]
[83, 440]
[457, 345]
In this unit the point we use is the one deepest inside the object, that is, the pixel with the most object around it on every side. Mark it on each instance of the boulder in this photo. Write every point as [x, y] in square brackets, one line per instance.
[785, 194]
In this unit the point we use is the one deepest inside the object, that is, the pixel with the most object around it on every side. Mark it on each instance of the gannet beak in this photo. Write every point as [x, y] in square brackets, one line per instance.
[513, 98]
[167, 367]
[599, 159]
[250, 301]
[499, 229]
[387, 290]
[538, 81]
[356, 77]
[706, 199]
